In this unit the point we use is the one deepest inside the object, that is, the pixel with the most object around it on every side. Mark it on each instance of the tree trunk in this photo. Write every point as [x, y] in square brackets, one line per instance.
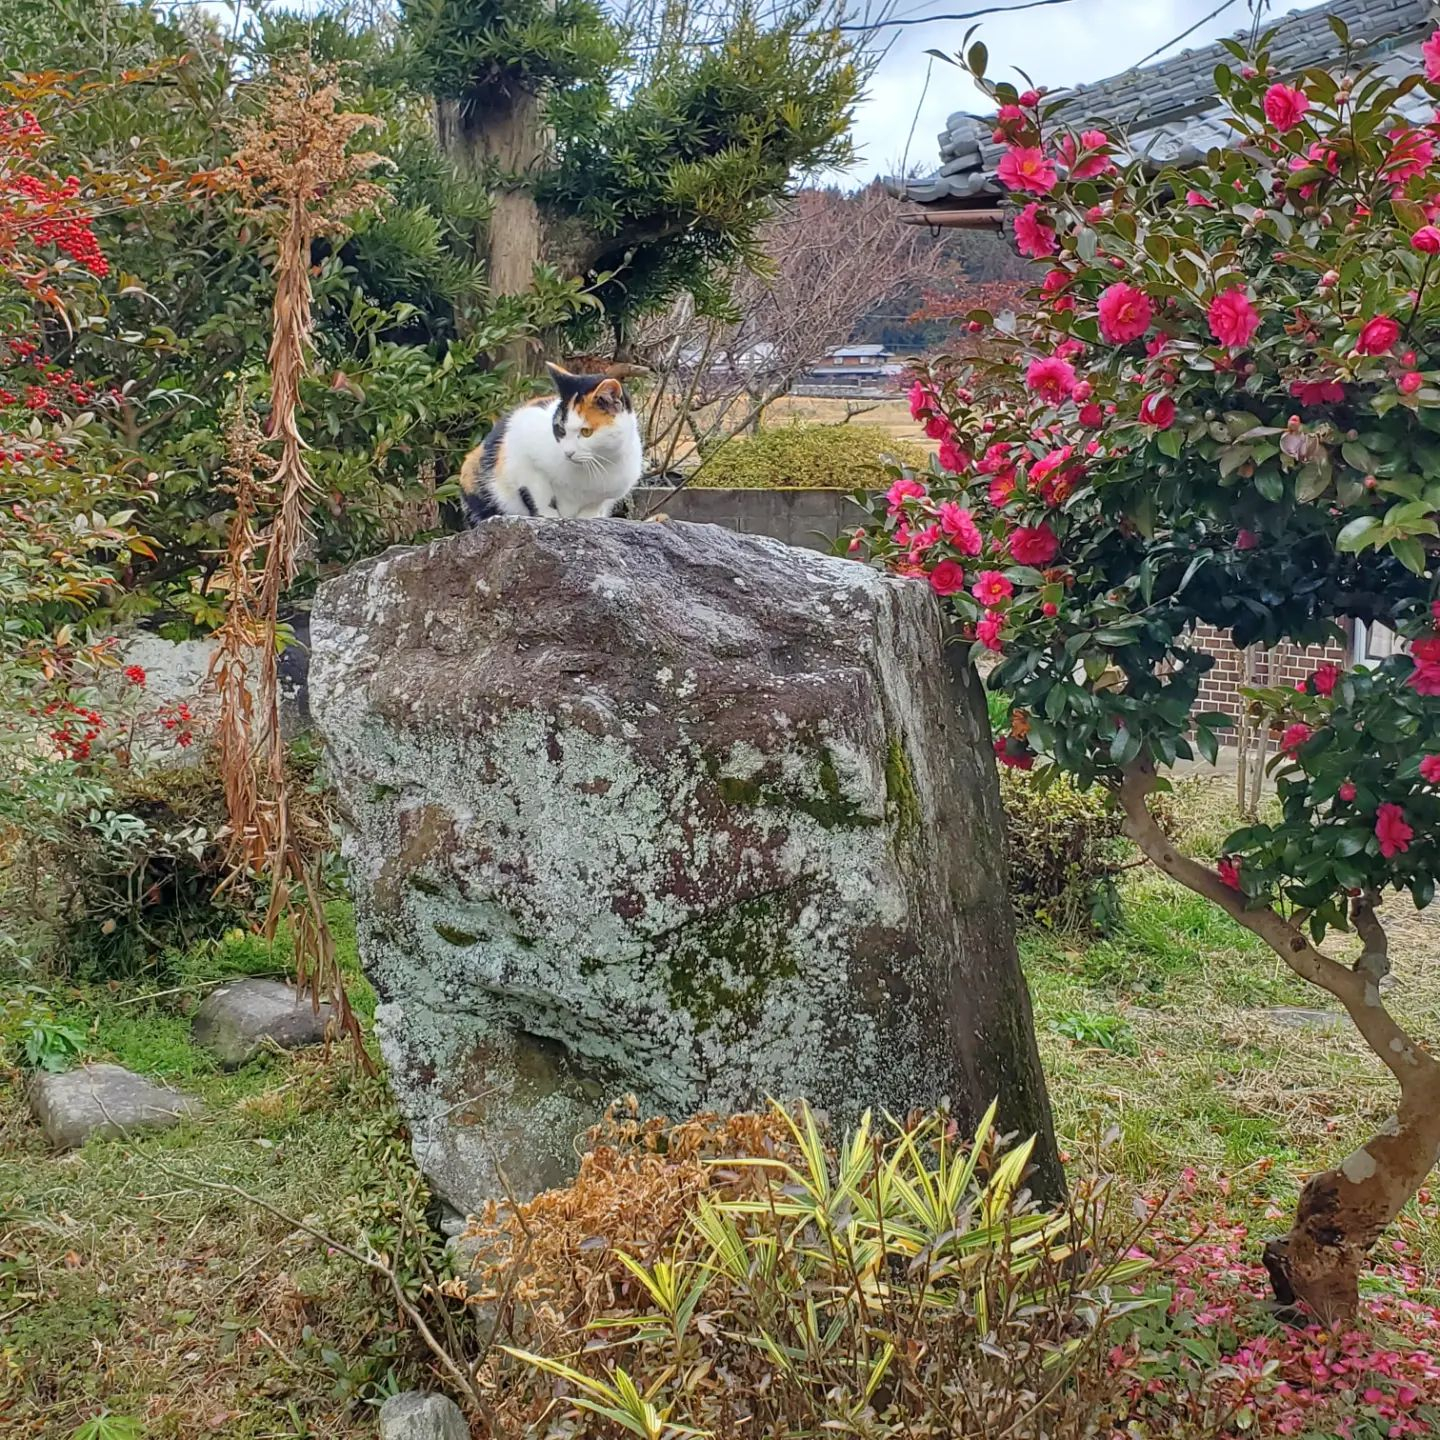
[1342, 1212]
[502, 145]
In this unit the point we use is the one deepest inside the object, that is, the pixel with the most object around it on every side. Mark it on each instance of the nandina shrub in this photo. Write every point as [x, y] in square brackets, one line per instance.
[1221, 407]
[751, 1276]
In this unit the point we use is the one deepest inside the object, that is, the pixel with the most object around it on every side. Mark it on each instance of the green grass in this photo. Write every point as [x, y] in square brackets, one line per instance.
[1201, 1076]
[126, 1282]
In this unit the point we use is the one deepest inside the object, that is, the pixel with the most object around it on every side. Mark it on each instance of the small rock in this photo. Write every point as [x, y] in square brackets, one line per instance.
[234, 1022]
[417, 1415]
[106, 1100]
[1298, 1017]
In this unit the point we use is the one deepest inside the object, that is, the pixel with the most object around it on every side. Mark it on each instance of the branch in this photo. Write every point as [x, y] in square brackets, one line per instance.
[1355, 989]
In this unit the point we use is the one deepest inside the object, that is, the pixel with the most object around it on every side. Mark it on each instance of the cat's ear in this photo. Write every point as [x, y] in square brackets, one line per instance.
[559, 375]
[609, 395]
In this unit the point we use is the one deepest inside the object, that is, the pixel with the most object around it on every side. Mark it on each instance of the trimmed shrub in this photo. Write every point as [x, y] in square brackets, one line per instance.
[808, 457]
[1063, 847]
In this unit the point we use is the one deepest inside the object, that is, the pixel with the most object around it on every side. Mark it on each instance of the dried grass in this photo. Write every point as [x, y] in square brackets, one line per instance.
[294, 173]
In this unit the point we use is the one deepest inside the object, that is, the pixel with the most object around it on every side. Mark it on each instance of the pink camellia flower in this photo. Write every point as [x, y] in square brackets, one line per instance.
[1377, 336]
[991, 588]
[1029, 99]
[1425, 678]
[1325, 679]
[1430, 769]
[1157, 410]
[1087, 158]
[1055, 280]
[922, 399]
[1197, 201]
[1050, 378]
[1347, 791]
[938, 427]
[1033, 545]
[960, 528]
[1011, 752]
[988, 627]
[1033, 237]
[1410, 382]
[1228, 869]
[1125, 312]
[1317, 392]
[1001, 488]
[1426, 240]
[1294, 737]
[1392, 830]
[1026, 167]
[1246, 540]
[1091, 416]
[1410, 155]
[857, 539]
[1431, 51]
[901, 491]
[1285, 106]
[922, 541]
[1233, 318]
[947, 578]
[952, 457]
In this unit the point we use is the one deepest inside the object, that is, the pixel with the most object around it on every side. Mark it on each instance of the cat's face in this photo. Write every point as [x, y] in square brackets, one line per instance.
[592, 416]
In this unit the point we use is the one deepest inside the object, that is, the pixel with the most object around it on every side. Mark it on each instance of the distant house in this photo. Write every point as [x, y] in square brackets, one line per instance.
[1168, 113]
[856, 367]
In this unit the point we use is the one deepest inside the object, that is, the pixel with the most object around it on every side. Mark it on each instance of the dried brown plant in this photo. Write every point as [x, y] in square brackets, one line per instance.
[294, 173]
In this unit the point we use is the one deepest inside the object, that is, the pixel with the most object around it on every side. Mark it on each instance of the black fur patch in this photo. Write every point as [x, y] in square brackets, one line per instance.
[479, 508]
[527, 500]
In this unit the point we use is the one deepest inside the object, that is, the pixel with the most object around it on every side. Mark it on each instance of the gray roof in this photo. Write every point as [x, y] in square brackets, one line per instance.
[1168, 113]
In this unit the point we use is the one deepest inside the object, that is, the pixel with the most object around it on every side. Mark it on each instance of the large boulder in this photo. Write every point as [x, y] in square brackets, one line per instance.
[664, 810]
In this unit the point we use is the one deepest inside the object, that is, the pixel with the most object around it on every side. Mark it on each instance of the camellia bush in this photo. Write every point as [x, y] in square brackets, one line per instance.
[1221, 406]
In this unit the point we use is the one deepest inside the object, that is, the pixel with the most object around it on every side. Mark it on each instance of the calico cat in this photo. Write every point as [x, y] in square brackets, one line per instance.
[572, 455]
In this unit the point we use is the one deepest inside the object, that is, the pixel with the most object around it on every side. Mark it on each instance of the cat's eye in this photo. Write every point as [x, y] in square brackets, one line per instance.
[586, 431]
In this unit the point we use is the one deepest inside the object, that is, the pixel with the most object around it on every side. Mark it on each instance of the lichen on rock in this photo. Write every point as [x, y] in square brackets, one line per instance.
[669, 811]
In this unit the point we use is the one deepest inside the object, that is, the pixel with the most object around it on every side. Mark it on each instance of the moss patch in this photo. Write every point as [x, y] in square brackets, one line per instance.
[721, 968]
[902, 800]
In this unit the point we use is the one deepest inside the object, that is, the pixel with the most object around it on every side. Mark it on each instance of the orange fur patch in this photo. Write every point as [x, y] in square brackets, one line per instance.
[593, 412]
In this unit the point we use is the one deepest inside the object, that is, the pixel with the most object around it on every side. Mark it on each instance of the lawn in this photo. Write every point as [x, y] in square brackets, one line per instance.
[128, 1282]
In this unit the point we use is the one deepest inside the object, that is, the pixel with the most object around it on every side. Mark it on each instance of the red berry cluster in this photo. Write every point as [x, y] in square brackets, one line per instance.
[176, 718]
[75, 728]
[43, 210]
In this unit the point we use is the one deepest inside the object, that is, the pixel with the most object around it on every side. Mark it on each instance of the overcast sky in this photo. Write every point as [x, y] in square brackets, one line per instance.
[1056, 45]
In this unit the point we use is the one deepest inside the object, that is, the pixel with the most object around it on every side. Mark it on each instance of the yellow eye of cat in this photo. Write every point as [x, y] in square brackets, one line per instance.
[587, 430]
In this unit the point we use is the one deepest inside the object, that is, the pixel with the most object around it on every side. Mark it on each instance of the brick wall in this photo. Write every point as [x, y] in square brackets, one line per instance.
[1279, 667]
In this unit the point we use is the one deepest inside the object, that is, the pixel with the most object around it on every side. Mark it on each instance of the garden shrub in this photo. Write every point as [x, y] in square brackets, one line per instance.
[753, 1275]
[125, 881]
[807, 457]
[1062, 845]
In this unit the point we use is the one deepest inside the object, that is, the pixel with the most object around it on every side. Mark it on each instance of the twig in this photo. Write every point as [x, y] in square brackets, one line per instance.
[371, 1262]
[202, 985]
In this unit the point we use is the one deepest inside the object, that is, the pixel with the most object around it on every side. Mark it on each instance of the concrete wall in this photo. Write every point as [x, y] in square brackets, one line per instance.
[809, 519]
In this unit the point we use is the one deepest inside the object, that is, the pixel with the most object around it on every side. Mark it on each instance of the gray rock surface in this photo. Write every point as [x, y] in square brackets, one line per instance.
[105, 1100]
[1300, 1017]
[417, 1415]
[235, 1021]
[663, 810]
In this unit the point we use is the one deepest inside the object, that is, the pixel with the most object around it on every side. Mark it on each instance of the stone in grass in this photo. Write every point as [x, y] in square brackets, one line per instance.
[417, 1415]
[669, 811]
[1300, 1017]
[236, 1021]
[104, 1100]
